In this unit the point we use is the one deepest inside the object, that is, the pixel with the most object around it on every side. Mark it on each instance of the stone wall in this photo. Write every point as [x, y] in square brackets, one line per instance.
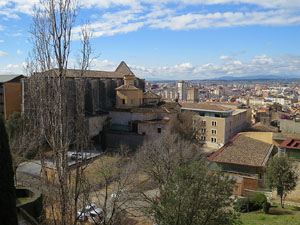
[115, 139]
[289, 126]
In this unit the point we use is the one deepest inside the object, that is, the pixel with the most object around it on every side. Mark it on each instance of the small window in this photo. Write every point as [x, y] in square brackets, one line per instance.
[213, 140]
[123, 101]
[214, 123]
[159, 130]
[213, 131]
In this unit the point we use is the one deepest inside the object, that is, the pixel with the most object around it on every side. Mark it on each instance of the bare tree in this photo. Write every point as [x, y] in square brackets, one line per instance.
[55, 104]
[176, 183]
[109, 188]
[156, 162]
[189, 127]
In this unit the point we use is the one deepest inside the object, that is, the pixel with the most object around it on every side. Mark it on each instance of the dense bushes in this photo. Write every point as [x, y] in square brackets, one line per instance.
[266, 207]
[253, 203]
[257, 200]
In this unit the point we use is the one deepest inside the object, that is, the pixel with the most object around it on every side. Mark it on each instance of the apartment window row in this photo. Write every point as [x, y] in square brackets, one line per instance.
[213, 140]
[132, 101]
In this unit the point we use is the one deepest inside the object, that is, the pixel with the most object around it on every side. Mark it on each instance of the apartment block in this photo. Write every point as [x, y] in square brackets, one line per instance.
[10, 94]
[182, 90]
[192, 95]
[221, 123]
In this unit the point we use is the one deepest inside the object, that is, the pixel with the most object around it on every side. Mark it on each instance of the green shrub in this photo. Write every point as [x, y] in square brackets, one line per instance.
[257, 200]
[249, 204]
[242, 205]
[266, 207]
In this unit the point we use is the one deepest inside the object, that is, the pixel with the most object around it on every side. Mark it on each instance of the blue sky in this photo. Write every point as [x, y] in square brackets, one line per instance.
[173, 39]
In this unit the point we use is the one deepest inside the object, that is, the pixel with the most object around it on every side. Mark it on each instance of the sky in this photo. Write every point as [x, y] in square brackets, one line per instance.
[172, 39]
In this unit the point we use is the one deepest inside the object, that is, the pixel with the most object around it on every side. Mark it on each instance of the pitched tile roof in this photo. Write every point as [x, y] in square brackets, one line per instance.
[291, 143]
[151, 95]
[120, 72]
[127, 87]
[162, 107]
[243, 150]
[7, 78]
[123, 69]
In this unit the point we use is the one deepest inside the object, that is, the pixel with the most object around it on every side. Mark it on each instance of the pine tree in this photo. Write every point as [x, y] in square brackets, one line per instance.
[8, 211]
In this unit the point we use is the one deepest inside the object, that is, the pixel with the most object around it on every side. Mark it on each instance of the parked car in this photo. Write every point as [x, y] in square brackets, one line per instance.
[78, 156]
[82, 216]
[84, 213]
[90, 207]
[96, 216]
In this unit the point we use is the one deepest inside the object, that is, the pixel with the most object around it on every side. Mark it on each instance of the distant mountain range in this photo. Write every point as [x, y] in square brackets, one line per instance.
[257, 77]
[232, 78]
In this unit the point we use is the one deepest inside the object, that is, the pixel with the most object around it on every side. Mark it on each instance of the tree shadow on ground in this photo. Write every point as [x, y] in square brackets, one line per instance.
[277, 210]
[296, 208]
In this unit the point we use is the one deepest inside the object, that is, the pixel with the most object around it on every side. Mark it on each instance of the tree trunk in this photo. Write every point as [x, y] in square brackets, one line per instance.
[8, 210]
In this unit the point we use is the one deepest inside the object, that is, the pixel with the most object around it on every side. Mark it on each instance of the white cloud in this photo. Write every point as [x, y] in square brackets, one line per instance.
[160, 17]
[188, 21]
[12, 66]
[19, 52]
[258, 65]
[225, 57]
[3, 53]
[103, 65]
[1, 41]
[125, 16]
[11, 69]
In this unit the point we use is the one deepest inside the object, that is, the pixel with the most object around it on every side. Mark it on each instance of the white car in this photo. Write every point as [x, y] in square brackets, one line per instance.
[96, 216]
[90, 207]
[83, 213]
[82, 216]
[79, 156]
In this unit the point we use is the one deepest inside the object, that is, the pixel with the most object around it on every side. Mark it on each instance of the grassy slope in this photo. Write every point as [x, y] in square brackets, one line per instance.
[277, 216]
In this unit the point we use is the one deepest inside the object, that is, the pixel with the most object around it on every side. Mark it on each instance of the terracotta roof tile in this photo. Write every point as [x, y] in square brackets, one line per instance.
[242, 150]
[150, 94]
[291, 143]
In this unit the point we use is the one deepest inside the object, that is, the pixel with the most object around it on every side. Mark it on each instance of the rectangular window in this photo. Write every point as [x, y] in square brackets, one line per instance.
[213, 140]
[203, 123]
[123, 101]
[203, 130]
[214, 123]
[213, 131]
[159, 130]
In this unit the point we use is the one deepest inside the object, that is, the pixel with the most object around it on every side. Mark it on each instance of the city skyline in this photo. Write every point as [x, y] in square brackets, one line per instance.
[173, 39]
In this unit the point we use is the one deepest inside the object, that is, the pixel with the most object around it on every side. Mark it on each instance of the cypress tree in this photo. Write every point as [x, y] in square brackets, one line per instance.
[8, 211]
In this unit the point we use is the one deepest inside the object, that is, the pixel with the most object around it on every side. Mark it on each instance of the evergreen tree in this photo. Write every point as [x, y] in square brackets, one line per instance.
[8, 212]
[194, 196]
[282, 174]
